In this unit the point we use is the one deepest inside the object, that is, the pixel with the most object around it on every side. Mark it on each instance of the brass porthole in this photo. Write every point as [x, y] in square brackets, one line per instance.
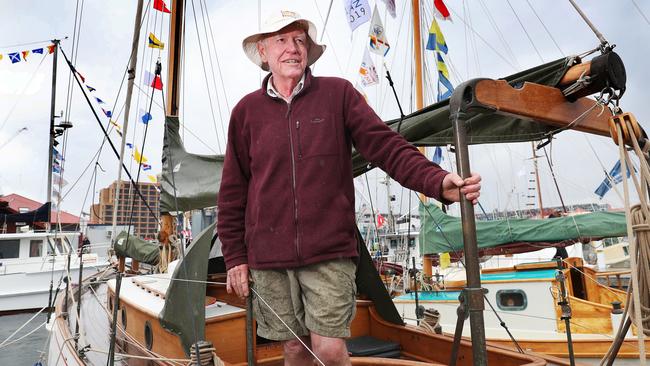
[148, 335]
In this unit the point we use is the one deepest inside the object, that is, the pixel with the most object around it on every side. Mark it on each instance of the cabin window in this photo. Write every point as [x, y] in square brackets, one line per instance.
[123, 316]
[148, 335]
[412, 242]
[393, 243]
[35, 248]
[58, 242]
[626, 250]
[9, 248]
[512, 300]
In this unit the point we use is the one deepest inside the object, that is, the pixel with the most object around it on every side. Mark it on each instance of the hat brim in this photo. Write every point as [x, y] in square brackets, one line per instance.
[249, 44]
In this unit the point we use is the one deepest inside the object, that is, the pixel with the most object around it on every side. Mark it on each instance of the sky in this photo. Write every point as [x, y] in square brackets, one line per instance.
[485, 38]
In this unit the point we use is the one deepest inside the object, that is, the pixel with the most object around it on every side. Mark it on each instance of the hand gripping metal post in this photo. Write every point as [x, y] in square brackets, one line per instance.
[462, 104]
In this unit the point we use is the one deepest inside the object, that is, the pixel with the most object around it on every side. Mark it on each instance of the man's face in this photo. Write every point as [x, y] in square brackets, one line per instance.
[285, 52]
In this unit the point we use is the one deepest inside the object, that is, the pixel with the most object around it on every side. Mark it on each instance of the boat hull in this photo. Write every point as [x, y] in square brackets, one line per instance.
[27, 291]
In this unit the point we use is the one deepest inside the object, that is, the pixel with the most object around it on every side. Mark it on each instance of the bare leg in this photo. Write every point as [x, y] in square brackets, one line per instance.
[332, 351]
[295, 354]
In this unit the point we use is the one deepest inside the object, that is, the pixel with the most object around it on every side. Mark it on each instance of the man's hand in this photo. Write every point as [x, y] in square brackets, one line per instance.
[453, 185]
[237, 280]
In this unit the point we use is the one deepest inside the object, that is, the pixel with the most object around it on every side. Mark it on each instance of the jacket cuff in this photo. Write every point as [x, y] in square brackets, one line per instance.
[233, 262]
[435, 182]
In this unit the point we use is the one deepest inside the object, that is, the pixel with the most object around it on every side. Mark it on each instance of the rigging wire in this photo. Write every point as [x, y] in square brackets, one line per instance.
[212, 71]
[525, 31]
[640, 12]
[216, 57]
[106, 136]
[545, 28]
[504, 59]
[584, 17]
[27, 43]
[497, 30]
[22, 93]
[207, 84]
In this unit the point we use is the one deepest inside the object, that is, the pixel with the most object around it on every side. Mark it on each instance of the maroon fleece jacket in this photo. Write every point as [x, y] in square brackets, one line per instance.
[287, 194]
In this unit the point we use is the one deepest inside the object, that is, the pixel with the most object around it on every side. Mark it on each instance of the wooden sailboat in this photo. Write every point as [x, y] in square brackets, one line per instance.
[160, 317]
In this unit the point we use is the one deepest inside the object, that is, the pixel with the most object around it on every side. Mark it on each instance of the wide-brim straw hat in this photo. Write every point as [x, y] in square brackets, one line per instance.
[274, 23]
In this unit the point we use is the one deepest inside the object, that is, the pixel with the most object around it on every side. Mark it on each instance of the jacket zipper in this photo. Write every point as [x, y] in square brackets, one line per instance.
[293, 180]
[298, 138]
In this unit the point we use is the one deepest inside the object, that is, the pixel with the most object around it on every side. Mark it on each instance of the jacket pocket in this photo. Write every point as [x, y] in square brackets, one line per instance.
[316, 136]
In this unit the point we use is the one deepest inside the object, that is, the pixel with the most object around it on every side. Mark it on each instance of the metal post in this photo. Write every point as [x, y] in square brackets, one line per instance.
[79, 288]
[461, 314]
[473, 290]
[566, 310]
[618, 341]
[116, 305]
[127, 110]
[415, 284]
[51, 135]
[49, 163]
[250, 352]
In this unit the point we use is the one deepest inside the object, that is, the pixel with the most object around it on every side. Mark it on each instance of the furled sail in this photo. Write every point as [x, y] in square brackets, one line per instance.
[441, 233]
[189, 181]
[129, 245]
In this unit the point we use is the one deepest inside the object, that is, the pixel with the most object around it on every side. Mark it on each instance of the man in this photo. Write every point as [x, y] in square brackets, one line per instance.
[286, 202]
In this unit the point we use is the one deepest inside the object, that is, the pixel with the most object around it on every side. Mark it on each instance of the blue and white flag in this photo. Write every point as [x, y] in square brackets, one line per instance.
[614, 176]
[437, 156]
[56, 167]
[358, 12]
[57, 155]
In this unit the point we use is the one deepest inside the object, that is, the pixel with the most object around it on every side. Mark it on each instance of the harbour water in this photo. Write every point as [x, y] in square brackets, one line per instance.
[26, 351]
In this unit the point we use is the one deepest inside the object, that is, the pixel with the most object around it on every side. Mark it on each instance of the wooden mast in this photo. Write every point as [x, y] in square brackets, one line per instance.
[167, 225]
[427, 262]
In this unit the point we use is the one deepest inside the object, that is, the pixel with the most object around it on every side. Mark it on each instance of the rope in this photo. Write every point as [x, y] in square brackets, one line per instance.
[638, 221]
[430, 322]
[600, 36]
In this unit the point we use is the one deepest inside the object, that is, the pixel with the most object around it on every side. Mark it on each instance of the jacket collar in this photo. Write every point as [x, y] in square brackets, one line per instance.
[307, 83]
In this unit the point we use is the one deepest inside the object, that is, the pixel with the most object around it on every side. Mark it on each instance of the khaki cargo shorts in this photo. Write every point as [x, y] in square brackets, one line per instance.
[319, 298]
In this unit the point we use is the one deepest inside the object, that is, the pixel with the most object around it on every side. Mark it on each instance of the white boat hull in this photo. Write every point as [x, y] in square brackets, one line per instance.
[31, 290]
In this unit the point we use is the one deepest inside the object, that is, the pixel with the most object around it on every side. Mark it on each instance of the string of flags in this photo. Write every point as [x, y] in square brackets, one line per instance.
[378, 43]
[144, 117]
[438, 45]
[142, 160]
[18, 56]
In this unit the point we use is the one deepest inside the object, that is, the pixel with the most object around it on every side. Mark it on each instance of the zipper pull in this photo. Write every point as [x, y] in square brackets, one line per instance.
[297, 125]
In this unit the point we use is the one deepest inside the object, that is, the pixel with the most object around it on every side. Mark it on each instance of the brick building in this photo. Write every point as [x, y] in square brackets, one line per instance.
[144, 223]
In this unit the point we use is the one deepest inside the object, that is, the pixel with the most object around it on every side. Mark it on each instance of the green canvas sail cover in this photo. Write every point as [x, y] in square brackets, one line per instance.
[184, 310]
[196, 178]
[431, 126]
[189, 181]
[136, 248]
[441, 233]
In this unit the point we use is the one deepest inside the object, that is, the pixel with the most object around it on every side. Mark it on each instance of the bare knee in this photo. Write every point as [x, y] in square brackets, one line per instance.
[331, 351]
[295, 352]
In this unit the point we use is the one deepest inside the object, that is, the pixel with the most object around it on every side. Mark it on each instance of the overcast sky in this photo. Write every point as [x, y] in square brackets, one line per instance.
[485, 39]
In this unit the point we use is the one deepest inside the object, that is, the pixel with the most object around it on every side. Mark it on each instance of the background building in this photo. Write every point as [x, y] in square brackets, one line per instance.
[143, 221]
[17, 204]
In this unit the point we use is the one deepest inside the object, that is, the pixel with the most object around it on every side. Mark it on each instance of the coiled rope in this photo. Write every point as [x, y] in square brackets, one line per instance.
[624, 129]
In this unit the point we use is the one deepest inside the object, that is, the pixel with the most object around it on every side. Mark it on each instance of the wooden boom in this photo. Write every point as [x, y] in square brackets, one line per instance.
[544, 104]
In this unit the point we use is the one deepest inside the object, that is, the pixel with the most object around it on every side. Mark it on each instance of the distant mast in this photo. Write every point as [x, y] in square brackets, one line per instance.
[168, 227]
[50, 156]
